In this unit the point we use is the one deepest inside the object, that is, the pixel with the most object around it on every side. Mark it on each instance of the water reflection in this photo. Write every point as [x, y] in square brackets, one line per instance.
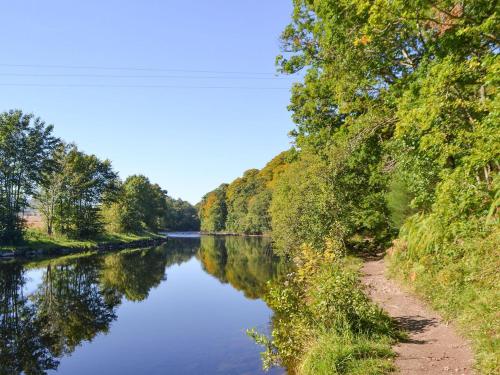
[246, 263]
[24, 345]
[76, 298]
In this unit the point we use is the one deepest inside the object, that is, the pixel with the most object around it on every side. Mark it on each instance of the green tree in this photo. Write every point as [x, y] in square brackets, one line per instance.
[140, 206]
[180, 216]
[51, 190]
[213, 210]
[247, 200]
[88, 184]
[26, 143]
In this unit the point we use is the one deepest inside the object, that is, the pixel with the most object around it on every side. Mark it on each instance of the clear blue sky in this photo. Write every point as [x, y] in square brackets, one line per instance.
[189, 140]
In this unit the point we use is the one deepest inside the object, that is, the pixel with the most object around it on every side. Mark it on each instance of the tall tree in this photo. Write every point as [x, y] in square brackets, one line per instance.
[140, 205]
[213, 210]
[25, 145]
[51, 191]
[88, 184]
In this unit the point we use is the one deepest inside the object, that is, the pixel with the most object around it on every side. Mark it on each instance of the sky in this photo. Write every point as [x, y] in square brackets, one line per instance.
[184, 92]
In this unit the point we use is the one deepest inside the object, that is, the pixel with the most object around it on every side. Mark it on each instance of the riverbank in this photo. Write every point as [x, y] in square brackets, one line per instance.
[37, 244]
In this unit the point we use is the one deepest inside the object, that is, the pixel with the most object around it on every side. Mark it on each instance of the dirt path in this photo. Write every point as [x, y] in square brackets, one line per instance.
[433, 347]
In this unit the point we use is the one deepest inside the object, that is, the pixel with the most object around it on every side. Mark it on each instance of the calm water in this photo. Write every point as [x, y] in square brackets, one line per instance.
[181, 308]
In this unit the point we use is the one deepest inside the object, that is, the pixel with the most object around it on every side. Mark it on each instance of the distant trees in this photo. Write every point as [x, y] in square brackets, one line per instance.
[243, 205]
[180, 216]
[25, 145]
[76, 193]
[213, 210]
[140, 205]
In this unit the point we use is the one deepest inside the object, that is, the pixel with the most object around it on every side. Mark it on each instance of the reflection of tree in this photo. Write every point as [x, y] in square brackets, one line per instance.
[22, 338]
[75, 301]
[213, 256]
[134, 273]
[180, 250]
[246, 263]
[71, 305]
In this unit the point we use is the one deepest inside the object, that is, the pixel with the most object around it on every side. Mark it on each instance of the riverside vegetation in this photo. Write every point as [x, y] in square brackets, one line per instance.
[396, 146]
[80, 197]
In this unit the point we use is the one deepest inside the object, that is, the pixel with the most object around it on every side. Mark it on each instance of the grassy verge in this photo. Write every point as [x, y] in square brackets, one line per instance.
[348, 354]
[324, 324]
[461, 281]
[38, 240]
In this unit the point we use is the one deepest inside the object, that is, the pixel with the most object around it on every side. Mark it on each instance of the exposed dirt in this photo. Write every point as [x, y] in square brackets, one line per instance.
[432, 347]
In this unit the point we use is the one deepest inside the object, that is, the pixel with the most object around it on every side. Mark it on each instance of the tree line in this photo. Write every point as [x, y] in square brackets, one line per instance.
[243, 205]
[396, 145]
[77, 194]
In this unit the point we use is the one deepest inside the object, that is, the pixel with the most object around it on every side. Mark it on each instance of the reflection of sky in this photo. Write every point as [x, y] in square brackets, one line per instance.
[183, 234]
[189, 324]
[33, 280]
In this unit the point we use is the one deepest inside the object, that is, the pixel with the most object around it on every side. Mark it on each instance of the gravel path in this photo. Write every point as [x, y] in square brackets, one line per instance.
[433, 347]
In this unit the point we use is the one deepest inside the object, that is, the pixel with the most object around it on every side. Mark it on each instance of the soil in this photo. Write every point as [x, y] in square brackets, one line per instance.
[433, 346]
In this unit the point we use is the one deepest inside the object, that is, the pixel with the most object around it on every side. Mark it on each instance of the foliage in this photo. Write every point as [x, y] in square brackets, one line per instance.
[458, 274]
[243, 205]
[79, 186]
[301, 207]
[73, 190]
[180, 216]
[140, 205]
[396, 138]
[213, 210]
[25, 145]
[51, 193]
[322, 301]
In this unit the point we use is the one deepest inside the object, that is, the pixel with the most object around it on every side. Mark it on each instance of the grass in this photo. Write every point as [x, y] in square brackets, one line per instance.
[332, 354]
[349, 353]
[37, 240]
[462, 282]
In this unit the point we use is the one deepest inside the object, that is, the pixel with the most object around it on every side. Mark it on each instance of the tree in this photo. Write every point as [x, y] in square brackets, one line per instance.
[180, 216]
[213, 210]
[25, 145]
[51, 190]
[140, 205]
[246, 199]
[88, 184]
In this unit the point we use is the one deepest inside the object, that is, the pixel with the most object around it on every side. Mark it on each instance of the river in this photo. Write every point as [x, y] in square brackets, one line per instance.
[181, 308]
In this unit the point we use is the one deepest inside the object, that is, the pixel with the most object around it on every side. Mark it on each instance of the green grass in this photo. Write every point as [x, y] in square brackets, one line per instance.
[461, 281]
[348, 355]
[37, 240]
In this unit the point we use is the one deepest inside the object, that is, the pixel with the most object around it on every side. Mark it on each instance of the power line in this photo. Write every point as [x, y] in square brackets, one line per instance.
[94, 67]
[48, 85]
[132, 76]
